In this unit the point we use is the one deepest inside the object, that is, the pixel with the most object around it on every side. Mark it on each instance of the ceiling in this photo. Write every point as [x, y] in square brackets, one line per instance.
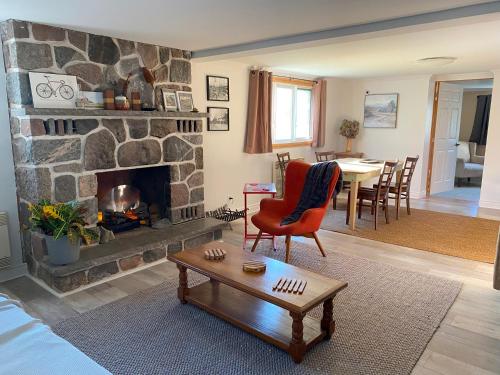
[202, 24]
[475, 43]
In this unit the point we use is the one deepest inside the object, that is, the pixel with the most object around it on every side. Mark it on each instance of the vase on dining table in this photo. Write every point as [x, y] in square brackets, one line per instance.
[348, 146]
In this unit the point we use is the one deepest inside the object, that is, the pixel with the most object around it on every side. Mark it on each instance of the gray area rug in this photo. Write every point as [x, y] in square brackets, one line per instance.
[384, 320]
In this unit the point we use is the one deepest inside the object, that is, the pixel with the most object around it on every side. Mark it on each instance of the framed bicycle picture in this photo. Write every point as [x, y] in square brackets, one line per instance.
[53, 90]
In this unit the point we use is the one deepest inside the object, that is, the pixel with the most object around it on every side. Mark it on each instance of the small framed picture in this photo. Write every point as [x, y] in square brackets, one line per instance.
[184, 101]
[169, 100]
[90, 100]
[53, 90]
[218, 119]
[218, 88]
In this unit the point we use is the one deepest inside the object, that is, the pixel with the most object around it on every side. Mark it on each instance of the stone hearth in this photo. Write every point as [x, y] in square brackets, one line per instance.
[130, 250]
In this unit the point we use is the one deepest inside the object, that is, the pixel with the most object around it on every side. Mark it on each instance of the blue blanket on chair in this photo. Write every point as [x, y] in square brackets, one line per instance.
[315, 190]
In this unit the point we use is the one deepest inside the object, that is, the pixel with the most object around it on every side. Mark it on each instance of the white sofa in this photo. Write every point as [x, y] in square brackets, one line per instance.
[27, 346]
[469, 163]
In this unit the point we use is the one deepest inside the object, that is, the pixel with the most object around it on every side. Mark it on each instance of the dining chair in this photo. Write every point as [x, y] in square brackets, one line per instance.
[402, 187]
[283, 160]
[377, 196]
[325, 156]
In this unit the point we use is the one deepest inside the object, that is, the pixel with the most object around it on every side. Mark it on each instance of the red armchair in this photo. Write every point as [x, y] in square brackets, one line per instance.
[272, 211]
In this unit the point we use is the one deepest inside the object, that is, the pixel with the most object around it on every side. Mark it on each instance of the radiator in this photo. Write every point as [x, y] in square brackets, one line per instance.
[4, 241]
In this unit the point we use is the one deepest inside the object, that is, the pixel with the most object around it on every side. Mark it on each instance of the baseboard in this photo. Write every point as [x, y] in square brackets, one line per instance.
[13, 272]
[489, 204]
[418, 194]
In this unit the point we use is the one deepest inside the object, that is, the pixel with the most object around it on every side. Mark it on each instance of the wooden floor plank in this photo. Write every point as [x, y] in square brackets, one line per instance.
[446, 365]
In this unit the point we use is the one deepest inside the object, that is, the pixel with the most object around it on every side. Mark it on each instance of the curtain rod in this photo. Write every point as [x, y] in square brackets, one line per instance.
[299, 79]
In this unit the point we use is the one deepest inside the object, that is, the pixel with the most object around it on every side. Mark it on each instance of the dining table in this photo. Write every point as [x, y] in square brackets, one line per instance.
[355, 171]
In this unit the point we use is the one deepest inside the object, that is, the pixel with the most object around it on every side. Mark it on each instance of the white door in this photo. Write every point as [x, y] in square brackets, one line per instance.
[446, 137]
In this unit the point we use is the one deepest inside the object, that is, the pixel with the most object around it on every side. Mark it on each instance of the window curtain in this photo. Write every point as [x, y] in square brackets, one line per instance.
[258, 139]
[319, 113]
[480, 128]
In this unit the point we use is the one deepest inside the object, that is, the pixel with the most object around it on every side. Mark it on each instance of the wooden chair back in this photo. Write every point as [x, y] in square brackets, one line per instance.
[407, 173]
[385, 179]
[283, 160]
[325, 156]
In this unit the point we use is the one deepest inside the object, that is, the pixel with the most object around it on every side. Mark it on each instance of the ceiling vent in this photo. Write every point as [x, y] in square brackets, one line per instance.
[437, 61]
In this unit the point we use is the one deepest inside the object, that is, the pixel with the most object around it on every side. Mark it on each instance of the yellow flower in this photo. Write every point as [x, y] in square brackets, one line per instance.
[50, 211]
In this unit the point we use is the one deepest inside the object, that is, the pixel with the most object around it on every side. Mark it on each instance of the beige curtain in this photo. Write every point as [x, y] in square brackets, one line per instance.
[319, 113]
[258, 138]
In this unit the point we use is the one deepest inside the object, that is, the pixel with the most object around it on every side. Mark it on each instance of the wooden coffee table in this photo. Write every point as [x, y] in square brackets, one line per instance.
[248, 301]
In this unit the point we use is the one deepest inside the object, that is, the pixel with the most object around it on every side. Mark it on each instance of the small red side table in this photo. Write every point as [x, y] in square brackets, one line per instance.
[256, 188]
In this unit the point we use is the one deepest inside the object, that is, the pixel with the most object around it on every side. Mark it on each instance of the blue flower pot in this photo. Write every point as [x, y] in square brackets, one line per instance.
[62, 251]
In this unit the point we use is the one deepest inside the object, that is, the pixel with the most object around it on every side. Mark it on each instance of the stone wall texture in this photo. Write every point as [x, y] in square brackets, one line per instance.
[99, 62]
[57, 156]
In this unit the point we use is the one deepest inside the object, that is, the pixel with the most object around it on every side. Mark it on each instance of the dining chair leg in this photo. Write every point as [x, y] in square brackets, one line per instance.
[360, 208]
[408, 203]
[348, 211]
[257, 239]
[376, 214]
[372, 209]
[386, 209]
[287, 243]
[334, 202]
[319, 244]
[398, 204]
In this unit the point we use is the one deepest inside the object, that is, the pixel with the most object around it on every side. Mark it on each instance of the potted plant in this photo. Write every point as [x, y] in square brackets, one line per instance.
[63, 225]
[349, 129]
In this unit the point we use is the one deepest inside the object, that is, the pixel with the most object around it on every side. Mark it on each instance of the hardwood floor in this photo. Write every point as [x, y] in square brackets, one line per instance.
[468, 341]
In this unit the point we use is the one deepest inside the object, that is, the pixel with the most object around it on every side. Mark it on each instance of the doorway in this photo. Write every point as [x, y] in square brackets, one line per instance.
[458, 140]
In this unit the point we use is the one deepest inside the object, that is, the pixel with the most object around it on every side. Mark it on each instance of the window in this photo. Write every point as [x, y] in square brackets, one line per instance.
[291, 122]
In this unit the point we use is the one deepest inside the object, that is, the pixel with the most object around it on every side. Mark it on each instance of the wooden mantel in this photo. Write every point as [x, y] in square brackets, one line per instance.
[74, 112]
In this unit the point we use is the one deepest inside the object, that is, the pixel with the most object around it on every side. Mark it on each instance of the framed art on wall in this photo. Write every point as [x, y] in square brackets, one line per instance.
[381, 110]
[169, 100]
[218, 88]
[184, 101]
[53, 90]
[218, 119]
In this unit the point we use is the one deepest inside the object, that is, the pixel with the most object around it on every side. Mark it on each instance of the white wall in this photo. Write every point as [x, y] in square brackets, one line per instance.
[490, 185]
[409, 136]
[227, 167]
[8, 199]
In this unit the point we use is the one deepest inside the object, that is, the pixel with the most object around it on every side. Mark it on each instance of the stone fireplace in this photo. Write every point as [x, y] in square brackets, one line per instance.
[78, 154]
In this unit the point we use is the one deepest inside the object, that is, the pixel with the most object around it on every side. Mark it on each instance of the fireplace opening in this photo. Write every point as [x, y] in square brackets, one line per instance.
[130, 198]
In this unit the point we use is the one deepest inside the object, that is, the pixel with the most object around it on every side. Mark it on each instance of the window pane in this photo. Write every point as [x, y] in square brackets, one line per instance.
[303, 122]
[283, 113]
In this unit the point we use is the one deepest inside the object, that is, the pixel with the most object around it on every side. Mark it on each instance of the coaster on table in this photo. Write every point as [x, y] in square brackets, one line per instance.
[215, 254]
[289, 285]
[254, 266]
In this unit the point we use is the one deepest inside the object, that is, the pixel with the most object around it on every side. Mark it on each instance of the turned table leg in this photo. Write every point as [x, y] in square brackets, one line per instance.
[327, 322]
[183, 289]
[297, 347]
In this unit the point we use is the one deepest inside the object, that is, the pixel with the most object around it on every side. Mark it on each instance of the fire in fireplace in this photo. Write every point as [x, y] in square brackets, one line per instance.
[122, 209]
[130, 198]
